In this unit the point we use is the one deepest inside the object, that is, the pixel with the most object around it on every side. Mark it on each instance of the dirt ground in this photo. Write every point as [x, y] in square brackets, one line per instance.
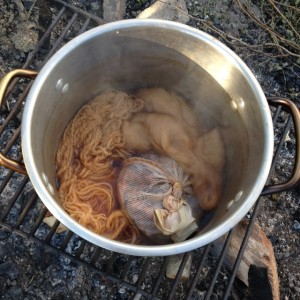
[28, 271]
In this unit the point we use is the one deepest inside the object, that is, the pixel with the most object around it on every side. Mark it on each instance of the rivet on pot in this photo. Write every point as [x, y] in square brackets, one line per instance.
[48, 185]
[238, 196]
[233, 105]
[50, 188]
[45, 178]
[61, 86]
[65, 88]
[229, 204]
[241, 103]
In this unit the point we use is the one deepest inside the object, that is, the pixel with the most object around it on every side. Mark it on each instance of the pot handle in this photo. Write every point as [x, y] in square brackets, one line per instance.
[4, 83]
[288, 104]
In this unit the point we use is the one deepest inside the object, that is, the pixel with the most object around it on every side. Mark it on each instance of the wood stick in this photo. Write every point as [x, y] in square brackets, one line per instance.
[259, 253]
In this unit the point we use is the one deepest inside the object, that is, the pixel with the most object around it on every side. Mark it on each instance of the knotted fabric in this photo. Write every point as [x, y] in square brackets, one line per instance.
[157, 196]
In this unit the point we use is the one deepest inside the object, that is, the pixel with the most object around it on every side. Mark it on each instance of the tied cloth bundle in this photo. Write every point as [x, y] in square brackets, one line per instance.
[157, 196]
[175, 218]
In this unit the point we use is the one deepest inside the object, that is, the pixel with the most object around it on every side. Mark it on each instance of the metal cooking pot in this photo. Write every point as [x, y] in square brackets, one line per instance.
[130, 54]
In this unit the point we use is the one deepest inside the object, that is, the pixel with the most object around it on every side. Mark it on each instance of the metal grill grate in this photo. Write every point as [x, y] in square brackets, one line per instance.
[23, 213]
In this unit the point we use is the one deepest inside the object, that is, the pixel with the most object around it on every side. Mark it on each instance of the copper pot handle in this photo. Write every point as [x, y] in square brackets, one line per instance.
[4, 83]
[295, 112]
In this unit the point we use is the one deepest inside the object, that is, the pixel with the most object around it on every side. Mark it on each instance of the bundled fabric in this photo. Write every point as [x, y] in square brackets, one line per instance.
[156, 195]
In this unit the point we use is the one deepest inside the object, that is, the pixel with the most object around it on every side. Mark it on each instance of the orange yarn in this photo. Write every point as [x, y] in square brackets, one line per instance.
[90, 144]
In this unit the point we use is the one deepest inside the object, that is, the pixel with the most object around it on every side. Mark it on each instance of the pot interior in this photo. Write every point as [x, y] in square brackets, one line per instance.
[192, 64]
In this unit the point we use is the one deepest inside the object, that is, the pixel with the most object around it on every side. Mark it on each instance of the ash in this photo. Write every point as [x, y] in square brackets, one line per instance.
[28, 270]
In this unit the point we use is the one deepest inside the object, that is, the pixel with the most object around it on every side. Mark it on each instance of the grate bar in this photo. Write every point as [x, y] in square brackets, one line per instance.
[12, 140]
[159, 278]
[219, 265]
[6, 180]
[15, 108]
[199, 269]
[60, 39]
[14, 198]
[276, 114]
[111, 262]
[81, 248]
[282, 140]
[38, 221]
[26, 209]
[143, 272]
[45, 36]
[97, 20]
[186, 256]
[15, 230]
[126, 268]
[52, 231]
[95, 256]
[66, 240]
[84, 26]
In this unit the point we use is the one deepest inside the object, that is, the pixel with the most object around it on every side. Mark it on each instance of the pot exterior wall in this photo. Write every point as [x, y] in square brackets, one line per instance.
[131, 54]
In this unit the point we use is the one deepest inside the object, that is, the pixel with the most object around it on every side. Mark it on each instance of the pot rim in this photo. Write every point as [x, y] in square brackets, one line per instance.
[144, 250]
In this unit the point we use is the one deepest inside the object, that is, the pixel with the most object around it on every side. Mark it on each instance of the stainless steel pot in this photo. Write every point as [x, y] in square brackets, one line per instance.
[137, 53]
